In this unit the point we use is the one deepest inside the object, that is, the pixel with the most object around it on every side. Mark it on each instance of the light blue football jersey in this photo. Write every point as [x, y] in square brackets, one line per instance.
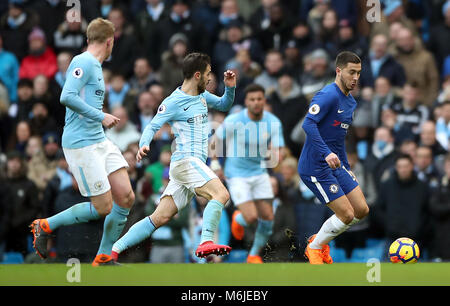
[248, 141]
[188, 117]
[83, 94]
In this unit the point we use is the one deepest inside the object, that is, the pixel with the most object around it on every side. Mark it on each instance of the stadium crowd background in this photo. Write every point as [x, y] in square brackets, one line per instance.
[286, 46]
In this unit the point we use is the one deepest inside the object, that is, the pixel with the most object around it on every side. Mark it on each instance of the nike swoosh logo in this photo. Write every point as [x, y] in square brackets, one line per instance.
[340, 111]
[185, 109]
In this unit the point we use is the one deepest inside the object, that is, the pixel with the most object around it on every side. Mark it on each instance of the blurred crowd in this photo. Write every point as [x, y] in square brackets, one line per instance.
[398, 146]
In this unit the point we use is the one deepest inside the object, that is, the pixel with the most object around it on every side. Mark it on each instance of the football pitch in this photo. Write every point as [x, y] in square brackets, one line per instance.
[273, 274]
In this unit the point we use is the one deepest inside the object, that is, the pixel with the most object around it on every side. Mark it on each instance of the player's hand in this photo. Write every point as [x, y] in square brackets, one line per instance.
[229, 78]
[333, 161]
[110, 121]
[142, 152]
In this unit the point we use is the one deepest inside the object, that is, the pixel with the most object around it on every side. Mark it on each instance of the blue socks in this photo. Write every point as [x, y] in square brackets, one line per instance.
[112, 228]
[240, 220]
[79, 213]
[137, 233]
[211, 218]
[262, 234]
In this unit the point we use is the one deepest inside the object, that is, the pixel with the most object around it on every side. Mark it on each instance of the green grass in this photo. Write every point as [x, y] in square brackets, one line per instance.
[279, 274]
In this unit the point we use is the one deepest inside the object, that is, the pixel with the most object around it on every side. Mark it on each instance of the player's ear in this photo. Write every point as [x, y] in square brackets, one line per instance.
[197, 75]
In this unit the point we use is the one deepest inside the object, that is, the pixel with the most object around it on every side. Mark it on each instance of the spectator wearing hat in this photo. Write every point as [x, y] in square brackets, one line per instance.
[25, 99]
[42, 166]
[16, 26]
[171, 72]
[40, 60]
[24, 205]
[9, 66]
[439, 41]
[380, 63]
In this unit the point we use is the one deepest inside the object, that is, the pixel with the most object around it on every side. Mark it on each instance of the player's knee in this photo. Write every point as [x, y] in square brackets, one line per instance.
[347, 216]
[223, 196]
[363, 212]
[251, 218]
[130, 198]
[104, 210]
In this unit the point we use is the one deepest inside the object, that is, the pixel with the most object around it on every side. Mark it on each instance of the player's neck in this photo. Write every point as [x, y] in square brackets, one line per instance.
[189, 87]
[342, 87]
[254, 117]
[97, 51]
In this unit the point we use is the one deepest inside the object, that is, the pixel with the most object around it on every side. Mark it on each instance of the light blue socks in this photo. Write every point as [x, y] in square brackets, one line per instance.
[112, 228]
[262, 234]
[79, 213]
[211, 218]
[137, 233]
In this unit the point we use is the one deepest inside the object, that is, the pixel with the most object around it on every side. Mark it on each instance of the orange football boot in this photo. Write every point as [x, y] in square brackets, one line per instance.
[315, 256]
[103, 260]
[254, 259]
[236, 229]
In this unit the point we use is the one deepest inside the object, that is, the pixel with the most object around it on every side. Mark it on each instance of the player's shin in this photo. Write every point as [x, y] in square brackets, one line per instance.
[136, 234]
[332, 228]
[262, 234]
[211, 218]
[79, 213]
[112, 228]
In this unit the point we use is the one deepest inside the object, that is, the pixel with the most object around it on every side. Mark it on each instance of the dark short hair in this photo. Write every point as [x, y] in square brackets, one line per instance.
[194, 62]
[404, 156]
[346, 57]
[254, 88]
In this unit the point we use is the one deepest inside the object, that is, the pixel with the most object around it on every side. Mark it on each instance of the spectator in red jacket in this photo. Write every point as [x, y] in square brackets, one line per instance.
[41, 58]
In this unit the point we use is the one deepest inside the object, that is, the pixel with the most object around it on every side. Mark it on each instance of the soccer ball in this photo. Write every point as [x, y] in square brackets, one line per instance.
[404, 250]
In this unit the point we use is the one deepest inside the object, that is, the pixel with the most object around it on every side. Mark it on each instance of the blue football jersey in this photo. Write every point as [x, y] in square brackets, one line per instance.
[83, 94]
[330, 116]
[247, 142]
[188, 117]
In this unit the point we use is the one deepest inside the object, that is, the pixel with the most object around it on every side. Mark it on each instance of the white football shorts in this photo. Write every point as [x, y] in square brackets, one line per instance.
[92, 164]
[184, 176]
[245, 189]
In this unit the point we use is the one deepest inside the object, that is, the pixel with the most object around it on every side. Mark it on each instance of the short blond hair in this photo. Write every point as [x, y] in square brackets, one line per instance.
[99, 30]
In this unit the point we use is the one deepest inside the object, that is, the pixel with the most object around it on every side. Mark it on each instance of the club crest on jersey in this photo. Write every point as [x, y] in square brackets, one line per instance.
[98, 185]
[203, 101]
[334, 188]
[77, 73]
[161, 109]
[314, 109]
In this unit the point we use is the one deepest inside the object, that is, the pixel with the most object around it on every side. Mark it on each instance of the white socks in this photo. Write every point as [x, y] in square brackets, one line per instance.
[332, 228]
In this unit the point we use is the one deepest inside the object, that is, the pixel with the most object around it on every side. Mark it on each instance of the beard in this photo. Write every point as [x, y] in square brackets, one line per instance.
[201, 87]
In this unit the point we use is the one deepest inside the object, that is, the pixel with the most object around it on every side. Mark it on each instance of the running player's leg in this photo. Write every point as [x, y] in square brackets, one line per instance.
[245, 214]
[263, 229]
[359, 204]
[217, 195]
[123, 198]
[143, 229]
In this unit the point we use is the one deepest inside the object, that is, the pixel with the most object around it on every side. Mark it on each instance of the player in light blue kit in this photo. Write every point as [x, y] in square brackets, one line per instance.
[186, 110]
[97, 164]
[250, 136]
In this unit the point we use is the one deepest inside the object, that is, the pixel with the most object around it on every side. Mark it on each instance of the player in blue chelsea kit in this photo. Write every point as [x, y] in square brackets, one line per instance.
[96, 163]
[323, 164]
[186, 110]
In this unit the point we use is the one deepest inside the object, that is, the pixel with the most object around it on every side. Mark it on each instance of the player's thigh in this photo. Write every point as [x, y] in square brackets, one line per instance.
[214, 190]
[240, 190]
[164, 211]
[87, 165]
[121, 189]
[249, 211]
[324, 186]
[358, 202]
